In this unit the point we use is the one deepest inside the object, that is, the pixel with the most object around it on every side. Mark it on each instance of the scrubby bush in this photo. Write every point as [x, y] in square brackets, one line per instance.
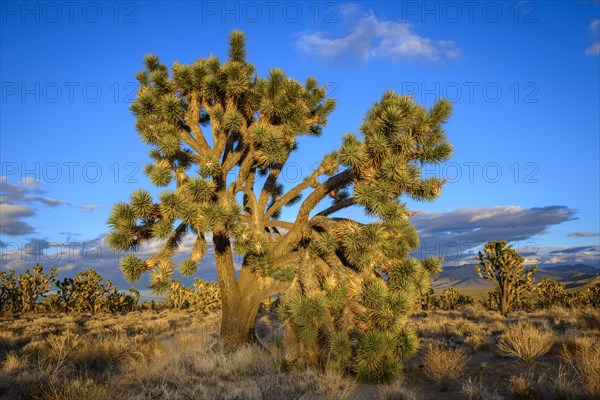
[442, 364]
[525, 342]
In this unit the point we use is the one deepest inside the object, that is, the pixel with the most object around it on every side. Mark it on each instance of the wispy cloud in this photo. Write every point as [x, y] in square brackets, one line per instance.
[594, 29]
[479, 225]
[583, 234]
[89, 208]
[17, 202]
[11, 219]
[371, 37]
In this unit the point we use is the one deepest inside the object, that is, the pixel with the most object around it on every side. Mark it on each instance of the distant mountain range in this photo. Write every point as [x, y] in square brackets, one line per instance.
[464, 276]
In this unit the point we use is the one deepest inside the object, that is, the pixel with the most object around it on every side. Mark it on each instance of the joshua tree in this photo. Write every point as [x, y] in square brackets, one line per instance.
[33, 285]
[221, 117]
[551, 293]
[503, 265]
[67, 293]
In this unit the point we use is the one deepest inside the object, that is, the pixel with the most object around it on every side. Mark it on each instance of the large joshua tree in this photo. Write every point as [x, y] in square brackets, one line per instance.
[211, 118]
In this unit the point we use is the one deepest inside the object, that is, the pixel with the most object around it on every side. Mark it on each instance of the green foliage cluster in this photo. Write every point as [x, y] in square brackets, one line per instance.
[202, 296]
[84, 293]
[356, 284]
[353, 321]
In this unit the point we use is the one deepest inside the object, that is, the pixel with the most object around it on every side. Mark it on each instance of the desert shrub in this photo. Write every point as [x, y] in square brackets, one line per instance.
[356, 326]
[9, 291]
[524, 387]
[492, 300]
[284, 386]
[562, 386]
[427, 300]
[476, 390]
[525, 342]
[585, 362]
[396, 390]
[478, 341]
[206, 296]
[442, 364]
[334, 386]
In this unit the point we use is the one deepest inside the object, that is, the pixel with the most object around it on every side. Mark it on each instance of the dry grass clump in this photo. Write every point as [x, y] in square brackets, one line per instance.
[396, 390]
[448, 325]
[333, 386]
[443, 365]
[478, 313]
[562, 386]
[588, 319]
[525, 342]
[476, 390]
[478, 341]
[525, 386]
[585, 362]
[280, 386]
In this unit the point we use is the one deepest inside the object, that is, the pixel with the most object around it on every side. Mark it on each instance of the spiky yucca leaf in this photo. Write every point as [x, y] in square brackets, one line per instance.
[160, 176]
[200, 190]
[162, 230]
[340, 346]
[132, 267]
[188, 267]
[141, 203]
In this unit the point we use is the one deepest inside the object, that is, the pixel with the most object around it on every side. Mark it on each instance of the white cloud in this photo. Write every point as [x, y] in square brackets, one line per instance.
[89, 208]
[50, 201]
[10, 219]
[583, 234]
[20, 200]
[563, 255]
[594, 29]
[458, 234]
[371, 37]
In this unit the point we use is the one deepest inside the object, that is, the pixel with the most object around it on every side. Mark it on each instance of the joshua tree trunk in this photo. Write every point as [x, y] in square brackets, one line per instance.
[237, 325]
[241, 297]
[504, 303]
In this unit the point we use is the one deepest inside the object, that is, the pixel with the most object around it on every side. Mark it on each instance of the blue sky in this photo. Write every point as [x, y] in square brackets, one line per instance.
[524, 77]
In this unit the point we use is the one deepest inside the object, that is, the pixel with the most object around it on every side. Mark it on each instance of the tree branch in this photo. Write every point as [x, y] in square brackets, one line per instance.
[267, 189]
[308, 205]
[337, 207]
[192, 117]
